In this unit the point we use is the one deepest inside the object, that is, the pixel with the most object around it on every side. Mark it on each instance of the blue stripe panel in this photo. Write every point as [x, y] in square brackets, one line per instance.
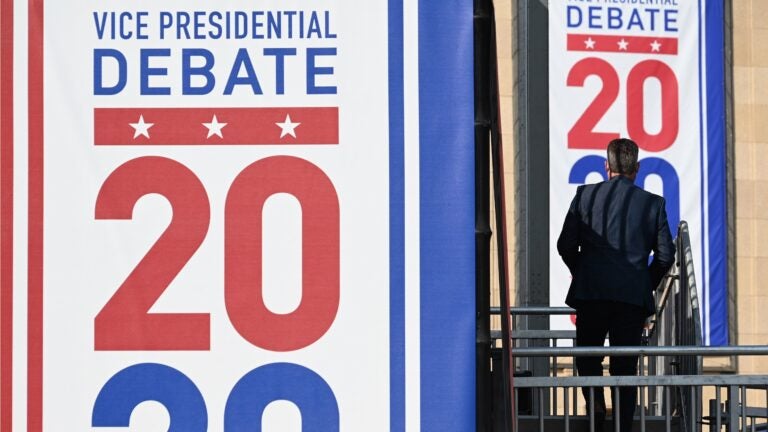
[396, 221]
[704, 279]
[718, 249]
[446, 152]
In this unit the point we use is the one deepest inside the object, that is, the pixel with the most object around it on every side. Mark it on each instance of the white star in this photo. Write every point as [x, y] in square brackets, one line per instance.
[655, 46]
[141, 128]
[288, 127]
[589, 43]
[214, 127]
[623, 44]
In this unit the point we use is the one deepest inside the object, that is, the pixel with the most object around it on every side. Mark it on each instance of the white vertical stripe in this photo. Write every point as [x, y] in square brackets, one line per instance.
[20, 213]
[412, 230]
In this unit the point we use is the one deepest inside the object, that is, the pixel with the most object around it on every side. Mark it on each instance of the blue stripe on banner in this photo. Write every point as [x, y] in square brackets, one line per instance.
[446, 152]
[703, 279]
[718, 245]
[396, 221]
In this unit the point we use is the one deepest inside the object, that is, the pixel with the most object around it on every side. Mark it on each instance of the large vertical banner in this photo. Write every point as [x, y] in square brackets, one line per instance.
[651, 71]
[233, 216]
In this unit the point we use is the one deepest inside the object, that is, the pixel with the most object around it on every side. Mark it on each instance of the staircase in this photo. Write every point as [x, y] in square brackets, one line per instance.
[671, 385]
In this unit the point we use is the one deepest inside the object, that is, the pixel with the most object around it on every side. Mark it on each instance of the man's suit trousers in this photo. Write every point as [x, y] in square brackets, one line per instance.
[623, 324]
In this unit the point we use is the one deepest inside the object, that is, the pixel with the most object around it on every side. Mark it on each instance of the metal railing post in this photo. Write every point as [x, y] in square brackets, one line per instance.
[642, 409]
[733, 409]
[591, 409]
[565, 409]
[718, 419]
[667, 409]
[617, 408]
[743, 406]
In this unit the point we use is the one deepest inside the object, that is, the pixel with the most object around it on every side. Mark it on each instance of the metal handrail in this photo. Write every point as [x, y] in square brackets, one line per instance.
[535, 310]
[642, 381]
[668, 284]
[649, 351]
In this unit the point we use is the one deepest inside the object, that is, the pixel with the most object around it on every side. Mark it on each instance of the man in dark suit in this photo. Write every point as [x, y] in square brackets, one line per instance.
[608, 234]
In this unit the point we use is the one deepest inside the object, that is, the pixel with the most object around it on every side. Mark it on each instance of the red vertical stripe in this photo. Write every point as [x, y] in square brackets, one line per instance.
[6, 214]
[35, 248]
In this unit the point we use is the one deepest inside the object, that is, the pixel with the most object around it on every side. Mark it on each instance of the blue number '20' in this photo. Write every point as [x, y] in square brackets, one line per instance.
[245, 405]
[151, 382]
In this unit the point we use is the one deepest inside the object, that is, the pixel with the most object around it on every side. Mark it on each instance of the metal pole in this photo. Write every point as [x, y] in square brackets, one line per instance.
[733, 409]
[565, 408]
[500, 211]
[667, 409]
[642, 409]
[591, 409]
[484, 387]
[718, 419]
[532, 168]
[744, 408]
[693, 419]
[515, 416]
[616, 408]
[541, 411]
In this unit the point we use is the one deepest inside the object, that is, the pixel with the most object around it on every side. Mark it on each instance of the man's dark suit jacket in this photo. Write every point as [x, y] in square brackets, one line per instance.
[608, 234]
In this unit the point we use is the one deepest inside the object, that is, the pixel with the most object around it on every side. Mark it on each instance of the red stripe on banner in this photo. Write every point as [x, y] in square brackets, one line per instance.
[35, 220]
[216, 126]
[622, 44]
[6, 214]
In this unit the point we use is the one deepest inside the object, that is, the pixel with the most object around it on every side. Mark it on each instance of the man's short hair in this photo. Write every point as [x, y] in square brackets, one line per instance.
[622, 156]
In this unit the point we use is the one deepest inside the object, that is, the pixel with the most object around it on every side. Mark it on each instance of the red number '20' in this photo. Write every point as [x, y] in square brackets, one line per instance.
[125, 322]
[583, 136]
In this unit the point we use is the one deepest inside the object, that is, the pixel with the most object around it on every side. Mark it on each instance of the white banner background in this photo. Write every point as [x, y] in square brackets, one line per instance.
[619, 36]
[406, 242]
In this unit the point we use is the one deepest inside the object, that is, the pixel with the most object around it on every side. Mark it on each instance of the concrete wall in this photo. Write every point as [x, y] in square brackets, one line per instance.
[750, 72]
